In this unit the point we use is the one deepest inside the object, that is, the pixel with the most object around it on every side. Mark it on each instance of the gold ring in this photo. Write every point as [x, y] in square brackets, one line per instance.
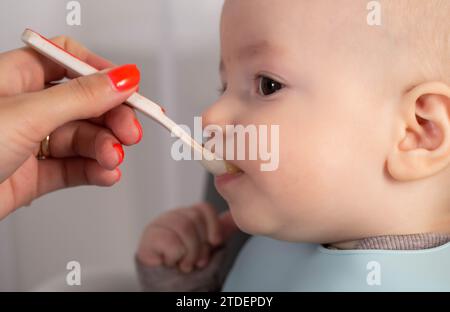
[44, 149]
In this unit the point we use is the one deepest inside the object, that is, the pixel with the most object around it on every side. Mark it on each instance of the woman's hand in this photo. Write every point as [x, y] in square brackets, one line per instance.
[84, 117]
[186, 238]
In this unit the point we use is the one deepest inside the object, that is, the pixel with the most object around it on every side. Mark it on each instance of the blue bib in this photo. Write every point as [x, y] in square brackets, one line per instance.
[266, 264]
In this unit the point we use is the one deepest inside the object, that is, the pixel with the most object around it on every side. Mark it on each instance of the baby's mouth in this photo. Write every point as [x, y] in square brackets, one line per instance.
[233, 172]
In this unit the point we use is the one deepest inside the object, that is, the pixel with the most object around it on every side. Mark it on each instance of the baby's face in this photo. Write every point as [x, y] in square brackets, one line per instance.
[316, 69]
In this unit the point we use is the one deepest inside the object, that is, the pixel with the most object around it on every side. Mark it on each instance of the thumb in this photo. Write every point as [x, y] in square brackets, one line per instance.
[81, 98]
[228, 226]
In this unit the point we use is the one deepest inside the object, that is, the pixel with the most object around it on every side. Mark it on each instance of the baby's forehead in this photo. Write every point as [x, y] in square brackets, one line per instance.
[288, 27]
[300, 17]
[293, 21]
[423, 27]
[311, 26]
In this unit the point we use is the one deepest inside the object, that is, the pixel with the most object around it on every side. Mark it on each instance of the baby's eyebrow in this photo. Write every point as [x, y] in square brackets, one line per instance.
[251, 50]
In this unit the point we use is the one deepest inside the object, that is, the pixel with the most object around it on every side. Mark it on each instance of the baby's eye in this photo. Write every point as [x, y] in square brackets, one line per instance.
[268, 86]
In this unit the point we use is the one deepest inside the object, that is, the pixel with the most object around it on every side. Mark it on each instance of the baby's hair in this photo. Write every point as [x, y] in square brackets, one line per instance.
[425, 25]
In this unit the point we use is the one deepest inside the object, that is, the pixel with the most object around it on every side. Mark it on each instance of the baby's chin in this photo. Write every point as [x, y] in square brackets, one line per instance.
[251, 220]
[258, 220]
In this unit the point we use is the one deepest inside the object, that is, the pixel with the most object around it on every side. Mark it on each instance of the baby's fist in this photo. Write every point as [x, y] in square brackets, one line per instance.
[185, 237]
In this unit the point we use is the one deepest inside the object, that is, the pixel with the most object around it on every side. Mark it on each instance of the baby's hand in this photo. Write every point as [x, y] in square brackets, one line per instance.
[185, 237]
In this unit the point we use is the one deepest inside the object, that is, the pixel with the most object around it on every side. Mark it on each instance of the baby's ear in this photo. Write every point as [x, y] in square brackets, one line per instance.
[423, 146]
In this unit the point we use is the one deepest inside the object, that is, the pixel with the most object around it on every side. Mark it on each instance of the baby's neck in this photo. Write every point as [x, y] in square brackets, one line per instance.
[395, 242]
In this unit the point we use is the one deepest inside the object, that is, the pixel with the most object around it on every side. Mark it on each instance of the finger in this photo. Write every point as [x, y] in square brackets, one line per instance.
[149, 257]
[187, 233]
[153, 259]
[212, 223]
[101, 119]
[227, 224]
[204, 256]
[166, 243]
[146, 254]
[82, 98]
[81, 138]
[54, 174]
[124, 124]
[160, 245]
[122, 120]
[27, 70]
[197, 219]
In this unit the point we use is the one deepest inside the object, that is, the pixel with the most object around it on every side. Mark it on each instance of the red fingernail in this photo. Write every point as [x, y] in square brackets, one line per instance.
[119, 173]
[125, 77]
[163, 110]
[139, 127]
[119, 149]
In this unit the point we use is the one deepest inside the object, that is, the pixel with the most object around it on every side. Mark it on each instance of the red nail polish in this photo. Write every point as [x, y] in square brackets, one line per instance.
[163, 110]
[138, 125]
[119, 149]
[125, 77]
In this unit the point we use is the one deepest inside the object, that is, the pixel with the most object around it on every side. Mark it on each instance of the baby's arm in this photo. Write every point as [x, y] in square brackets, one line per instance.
[185, 250]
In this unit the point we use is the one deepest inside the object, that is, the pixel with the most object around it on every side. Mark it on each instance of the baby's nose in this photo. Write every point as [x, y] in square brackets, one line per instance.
[214, 121]
[219, 114]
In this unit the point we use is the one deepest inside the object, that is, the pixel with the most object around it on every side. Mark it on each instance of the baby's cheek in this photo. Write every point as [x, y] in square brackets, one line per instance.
[302, 191]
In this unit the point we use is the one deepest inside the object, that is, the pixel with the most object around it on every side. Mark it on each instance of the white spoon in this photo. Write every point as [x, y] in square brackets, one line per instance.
[210, 161]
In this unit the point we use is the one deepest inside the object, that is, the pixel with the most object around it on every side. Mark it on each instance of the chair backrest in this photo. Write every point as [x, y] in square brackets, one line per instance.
[213, 197]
